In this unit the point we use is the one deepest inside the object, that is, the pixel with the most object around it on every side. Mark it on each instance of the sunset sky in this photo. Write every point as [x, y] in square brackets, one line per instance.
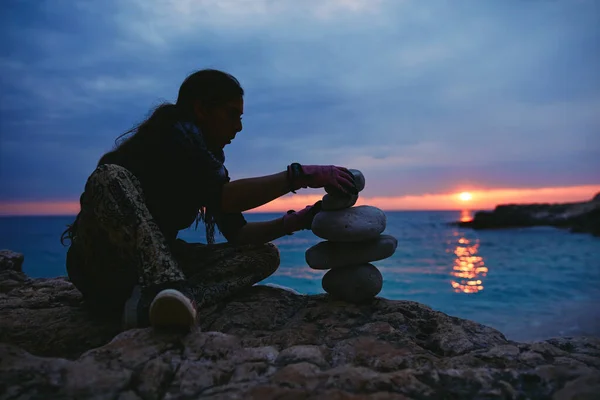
[428, 99]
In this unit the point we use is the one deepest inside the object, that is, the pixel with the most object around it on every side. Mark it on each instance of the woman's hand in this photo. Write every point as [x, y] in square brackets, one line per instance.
[337, 179]
[295, 221]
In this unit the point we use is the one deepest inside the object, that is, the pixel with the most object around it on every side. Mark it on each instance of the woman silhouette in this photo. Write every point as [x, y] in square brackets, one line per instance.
[162, 176]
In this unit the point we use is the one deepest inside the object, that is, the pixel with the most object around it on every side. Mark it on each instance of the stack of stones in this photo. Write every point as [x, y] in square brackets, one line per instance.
[353, 239]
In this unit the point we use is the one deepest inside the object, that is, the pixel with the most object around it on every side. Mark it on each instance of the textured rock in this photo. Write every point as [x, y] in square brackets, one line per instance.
[353, 224]
[269, 343]
[11, 260]
[326, 255]
[353, 283]
[333, 202]
[583, 217]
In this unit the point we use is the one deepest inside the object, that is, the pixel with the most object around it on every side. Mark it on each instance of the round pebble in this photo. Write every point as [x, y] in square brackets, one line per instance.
[335, 202]
[354, 224]
[327, 255]
[359, 179]
[353, 283]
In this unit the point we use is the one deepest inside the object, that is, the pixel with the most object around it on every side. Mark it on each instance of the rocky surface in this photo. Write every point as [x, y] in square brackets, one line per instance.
[269, 343]
[581, 217]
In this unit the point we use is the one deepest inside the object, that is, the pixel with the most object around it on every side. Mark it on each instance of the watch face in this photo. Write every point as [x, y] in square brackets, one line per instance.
[296, 170]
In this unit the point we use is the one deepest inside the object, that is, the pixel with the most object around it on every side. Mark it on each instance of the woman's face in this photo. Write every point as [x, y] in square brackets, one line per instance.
[220, 124]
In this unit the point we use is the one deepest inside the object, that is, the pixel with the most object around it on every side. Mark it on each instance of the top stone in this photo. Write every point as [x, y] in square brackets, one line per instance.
[328, 254]
[353, 224]
[359, 181]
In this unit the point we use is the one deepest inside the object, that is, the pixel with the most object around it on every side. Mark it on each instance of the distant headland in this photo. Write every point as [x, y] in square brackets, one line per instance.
[583, 217]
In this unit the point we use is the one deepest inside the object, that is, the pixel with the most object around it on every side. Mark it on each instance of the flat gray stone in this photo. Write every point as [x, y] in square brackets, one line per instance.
[327, 255]
[333, 202]
[354, 224]
[353, 283]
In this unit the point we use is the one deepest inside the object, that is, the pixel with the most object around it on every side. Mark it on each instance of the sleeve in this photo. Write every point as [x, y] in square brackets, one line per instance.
[228, 223]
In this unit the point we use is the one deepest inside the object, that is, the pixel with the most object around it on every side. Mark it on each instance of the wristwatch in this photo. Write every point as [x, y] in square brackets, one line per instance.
[294, 173]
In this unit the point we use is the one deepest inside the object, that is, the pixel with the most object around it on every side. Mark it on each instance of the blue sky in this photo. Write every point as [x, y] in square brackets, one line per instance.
[422, 96]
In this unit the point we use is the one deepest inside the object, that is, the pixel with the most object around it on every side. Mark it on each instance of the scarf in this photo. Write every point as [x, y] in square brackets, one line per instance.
[215, 160]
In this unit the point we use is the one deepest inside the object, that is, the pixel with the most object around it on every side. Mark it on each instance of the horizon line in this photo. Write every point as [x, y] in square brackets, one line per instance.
[269, 212]
[477, 199]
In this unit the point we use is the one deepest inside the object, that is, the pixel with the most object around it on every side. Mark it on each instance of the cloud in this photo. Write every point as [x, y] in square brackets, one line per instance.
[121, 86]
[184, 16]
[420, 95]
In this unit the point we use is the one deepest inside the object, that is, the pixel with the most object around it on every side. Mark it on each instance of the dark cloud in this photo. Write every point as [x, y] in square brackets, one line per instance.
[422, 96]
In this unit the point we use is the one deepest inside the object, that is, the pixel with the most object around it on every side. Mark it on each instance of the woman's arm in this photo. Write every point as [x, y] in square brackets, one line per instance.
[245, 194]
[267, 231]
[259, 232]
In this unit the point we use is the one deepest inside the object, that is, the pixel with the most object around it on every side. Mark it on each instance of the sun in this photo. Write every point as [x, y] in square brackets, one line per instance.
[465, 196]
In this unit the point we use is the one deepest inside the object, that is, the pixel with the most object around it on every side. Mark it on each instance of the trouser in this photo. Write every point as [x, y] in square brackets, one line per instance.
[118, 245]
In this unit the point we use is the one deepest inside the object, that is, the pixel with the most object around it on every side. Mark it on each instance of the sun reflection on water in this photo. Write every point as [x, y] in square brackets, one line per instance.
[465, 216]
[469, 267]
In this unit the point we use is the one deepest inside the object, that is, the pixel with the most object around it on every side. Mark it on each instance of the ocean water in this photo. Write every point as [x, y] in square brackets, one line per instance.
[531, 283]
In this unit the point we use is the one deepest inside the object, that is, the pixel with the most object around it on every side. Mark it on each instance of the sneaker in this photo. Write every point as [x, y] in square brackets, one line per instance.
[172, 309]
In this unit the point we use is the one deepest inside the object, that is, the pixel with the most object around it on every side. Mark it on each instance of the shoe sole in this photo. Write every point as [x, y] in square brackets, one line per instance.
[130, 317]
[171, 309]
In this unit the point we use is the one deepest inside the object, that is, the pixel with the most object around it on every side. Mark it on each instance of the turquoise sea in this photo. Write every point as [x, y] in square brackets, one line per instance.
[531, 283]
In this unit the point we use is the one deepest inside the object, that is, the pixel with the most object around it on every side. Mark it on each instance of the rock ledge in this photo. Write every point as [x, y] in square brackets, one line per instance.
[270, 343]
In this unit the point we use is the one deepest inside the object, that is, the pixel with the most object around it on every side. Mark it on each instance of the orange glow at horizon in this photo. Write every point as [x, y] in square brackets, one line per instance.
[39, 208]
[481, 199]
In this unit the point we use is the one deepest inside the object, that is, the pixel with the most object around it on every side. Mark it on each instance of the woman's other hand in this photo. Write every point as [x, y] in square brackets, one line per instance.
[294, 221]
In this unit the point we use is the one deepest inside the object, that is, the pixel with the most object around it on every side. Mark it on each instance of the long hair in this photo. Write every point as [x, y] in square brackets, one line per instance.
[208, 88]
